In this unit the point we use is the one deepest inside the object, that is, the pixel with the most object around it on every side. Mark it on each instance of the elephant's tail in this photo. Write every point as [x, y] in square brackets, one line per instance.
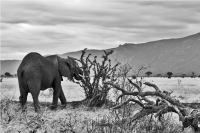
[20, 74]
[21, 80]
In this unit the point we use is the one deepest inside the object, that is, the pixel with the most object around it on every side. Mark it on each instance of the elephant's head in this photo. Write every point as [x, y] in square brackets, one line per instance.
[69, 68]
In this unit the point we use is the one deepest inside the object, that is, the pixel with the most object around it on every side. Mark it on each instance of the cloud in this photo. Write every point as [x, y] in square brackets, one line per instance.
[57, 26]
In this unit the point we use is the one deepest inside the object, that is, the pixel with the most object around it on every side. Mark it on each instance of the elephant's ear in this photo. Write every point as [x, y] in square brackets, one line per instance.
[76, 72]
[64, 68]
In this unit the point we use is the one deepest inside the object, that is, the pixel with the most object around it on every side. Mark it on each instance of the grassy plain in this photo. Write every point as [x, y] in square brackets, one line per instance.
[81, 119]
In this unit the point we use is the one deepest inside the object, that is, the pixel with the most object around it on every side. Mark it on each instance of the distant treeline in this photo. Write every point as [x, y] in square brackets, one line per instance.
[8, 75]
[147, 74]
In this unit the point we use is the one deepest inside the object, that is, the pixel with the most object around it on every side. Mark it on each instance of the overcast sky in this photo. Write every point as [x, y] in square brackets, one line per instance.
[61, 26]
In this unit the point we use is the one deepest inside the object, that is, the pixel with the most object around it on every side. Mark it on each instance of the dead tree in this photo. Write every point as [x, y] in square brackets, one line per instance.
[94, 76]
[164, 104]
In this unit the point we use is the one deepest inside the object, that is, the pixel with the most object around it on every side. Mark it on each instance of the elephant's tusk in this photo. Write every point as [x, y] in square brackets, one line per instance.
[83, 76]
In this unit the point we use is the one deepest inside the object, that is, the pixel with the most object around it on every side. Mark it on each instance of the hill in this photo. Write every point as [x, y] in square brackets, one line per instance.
[178, 55]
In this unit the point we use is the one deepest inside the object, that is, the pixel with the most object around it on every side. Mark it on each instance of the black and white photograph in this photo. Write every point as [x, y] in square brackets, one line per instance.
[100, 66]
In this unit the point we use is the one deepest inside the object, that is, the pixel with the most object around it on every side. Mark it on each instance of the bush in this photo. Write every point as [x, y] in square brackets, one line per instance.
[148, 73]
[169, 74]
[95, 90]
[183, 75]
[7, 74]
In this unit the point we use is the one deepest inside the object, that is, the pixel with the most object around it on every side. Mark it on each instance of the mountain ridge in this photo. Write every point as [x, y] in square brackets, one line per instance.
[178, 55]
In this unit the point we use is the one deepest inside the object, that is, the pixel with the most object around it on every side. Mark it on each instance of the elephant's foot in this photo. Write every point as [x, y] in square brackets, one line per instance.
[53, 107]
[24, 108]
[37, 108]
[63, 106]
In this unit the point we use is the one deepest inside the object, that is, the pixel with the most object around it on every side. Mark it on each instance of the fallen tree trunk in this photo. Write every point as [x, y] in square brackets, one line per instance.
[163, 104]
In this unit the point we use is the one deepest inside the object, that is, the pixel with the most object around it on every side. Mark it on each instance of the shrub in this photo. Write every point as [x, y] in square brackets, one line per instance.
[193, 75]
[148, 73]
[7, 74]
[95, 90]
[183, 75]
[169, 74]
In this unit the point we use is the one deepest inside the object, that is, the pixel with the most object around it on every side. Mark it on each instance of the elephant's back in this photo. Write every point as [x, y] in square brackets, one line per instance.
[29, 60]
[31, 57]
[37, 66]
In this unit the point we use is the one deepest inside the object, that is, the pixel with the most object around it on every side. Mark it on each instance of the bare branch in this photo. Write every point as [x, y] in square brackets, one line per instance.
[120, 96]
[152, 85]
[126, 102]
[136, 85]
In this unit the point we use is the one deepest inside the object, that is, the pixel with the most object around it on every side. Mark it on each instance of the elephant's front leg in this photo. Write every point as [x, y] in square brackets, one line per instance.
[56, 93]
[62, 98]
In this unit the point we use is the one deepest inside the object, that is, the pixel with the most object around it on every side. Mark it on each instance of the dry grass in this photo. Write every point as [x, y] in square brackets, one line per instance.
[79, 119]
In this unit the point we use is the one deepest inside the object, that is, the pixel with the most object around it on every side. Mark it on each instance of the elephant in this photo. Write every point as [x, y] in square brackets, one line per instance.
[37, 72]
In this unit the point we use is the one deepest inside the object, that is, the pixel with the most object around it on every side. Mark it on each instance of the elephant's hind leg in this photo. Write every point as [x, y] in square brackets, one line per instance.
[23, 96]
[34, 88]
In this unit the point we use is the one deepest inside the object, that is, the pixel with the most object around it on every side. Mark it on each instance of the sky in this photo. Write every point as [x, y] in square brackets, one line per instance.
[61, 26]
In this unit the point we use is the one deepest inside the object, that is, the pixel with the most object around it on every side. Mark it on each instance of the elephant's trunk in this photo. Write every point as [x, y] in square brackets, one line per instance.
[78, 74]
[77, 77]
